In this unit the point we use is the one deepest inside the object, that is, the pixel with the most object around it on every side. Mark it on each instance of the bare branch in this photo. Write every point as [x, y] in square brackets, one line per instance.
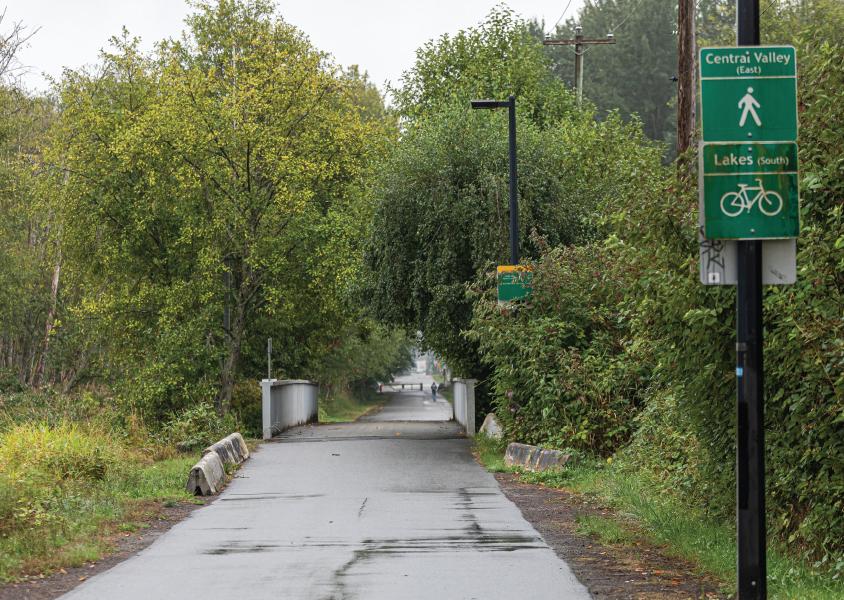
[10, 44]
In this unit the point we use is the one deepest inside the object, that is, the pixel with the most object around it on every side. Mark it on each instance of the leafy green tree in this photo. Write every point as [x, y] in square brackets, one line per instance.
[497, 58]
[442, 200]
[715, 24]
[442, 215]
[209, 189]
[365, 94]
[29, 263]
[366, 352]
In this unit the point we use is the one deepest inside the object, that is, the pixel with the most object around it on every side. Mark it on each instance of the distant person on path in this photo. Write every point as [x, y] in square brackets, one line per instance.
[434, 391]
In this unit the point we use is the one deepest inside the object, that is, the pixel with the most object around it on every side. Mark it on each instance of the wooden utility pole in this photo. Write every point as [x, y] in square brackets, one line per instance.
[579, 42]
[685, 75]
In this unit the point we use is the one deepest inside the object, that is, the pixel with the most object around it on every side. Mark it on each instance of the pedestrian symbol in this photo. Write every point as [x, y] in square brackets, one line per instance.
[749, 104]
[748, 94]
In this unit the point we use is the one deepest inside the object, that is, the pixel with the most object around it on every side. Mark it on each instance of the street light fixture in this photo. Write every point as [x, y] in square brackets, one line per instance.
[510, 104]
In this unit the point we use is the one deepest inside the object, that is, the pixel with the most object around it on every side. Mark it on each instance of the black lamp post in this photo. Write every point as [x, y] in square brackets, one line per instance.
[510, 104]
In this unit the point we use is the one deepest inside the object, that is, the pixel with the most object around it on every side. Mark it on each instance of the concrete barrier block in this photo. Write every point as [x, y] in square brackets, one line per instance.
[520, 455]
[240, 445]
[464, 404]
[207, 476]
[550, 459]
[534, 458]
[491, 427]
[231, 449]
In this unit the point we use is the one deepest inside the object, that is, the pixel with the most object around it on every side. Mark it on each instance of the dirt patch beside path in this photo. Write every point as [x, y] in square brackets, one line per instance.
[157, 519]
[632, 570]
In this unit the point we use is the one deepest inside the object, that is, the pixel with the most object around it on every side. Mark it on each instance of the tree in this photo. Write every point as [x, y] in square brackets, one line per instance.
[716, 23]
[11, 41]
[365, 94]
[441, 196]
[29, 265]
[24, 256]
[497, 58]
[207, 189]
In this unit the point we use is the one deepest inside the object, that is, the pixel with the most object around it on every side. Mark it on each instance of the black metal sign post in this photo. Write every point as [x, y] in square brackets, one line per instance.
[510, 105]
[750, 454]
[514, 188]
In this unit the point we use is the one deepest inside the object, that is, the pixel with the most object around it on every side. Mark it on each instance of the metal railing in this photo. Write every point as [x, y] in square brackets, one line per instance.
[395, 386]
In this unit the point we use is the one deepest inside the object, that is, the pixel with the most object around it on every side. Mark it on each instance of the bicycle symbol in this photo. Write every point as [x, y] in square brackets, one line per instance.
[734, 203]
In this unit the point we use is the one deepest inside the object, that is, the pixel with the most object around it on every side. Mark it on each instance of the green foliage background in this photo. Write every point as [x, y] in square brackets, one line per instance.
[161, 215]
[164, 213]
[621, 352]
[167, 212]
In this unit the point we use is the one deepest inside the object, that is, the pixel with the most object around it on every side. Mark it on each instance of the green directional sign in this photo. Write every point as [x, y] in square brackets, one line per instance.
[750, 190]
[748, 154]
[514, 283]
[748, 93]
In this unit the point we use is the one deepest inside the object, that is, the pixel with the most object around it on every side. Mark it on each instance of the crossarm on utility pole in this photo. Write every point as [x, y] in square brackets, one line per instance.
[586, 41]
[579, 42]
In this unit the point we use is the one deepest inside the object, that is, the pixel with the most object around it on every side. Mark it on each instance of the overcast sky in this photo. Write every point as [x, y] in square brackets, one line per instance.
[379, 35]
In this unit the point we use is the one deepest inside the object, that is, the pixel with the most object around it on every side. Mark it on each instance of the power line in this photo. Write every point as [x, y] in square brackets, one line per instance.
[767, 7]
[629, 14]
[565, 10]
[611, 32]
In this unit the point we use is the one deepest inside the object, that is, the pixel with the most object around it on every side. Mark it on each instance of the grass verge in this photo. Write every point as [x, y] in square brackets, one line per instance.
[76, 471]
[606, 530]
[490, 452]
[642, 510]
[68, 523]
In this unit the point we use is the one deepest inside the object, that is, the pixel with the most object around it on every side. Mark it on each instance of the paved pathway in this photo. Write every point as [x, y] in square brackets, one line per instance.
[414, 405]
[368, 510]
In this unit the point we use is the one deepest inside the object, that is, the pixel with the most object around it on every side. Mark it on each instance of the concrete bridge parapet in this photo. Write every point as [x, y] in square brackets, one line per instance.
[286, 403]
[464, 404]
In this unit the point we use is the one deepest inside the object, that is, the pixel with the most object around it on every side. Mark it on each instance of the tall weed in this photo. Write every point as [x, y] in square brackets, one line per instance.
[63, 452]
[197, 427]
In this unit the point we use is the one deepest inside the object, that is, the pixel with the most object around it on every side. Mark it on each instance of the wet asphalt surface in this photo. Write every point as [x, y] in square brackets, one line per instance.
[371, 510]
